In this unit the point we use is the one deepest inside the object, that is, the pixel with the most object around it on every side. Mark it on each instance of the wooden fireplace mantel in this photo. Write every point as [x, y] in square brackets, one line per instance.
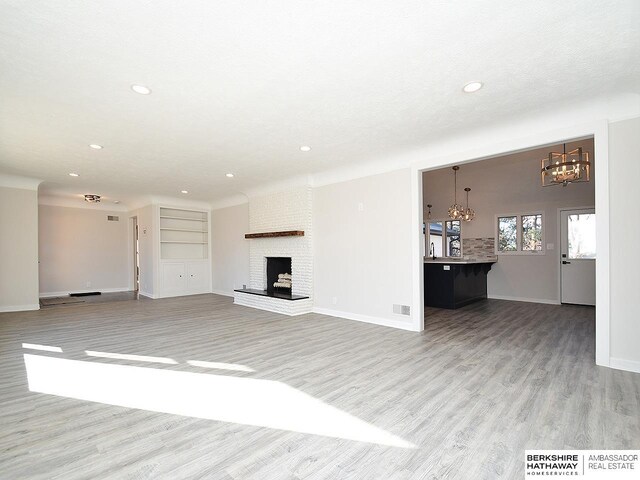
[288, 233]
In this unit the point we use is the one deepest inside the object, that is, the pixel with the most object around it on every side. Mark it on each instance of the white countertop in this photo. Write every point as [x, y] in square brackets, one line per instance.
[462, 261]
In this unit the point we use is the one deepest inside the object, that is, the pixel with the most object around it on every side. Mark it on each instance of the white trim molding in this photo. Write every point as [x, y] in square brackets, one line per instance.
[224, 293]
[20, 308]
[547, 301]
[385, 322]
[622, 364]
[101, 290]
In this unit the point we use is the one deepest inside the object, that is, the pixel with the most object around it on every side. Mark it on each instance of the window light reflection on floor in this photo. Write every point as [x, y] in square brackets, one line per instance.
[126, 356]
[248, 401]
[45, 348]
[220, 366]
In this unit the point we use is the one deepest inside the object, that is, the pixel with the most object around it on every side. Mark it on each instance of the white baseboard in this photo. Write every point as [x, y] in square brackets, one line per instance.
[20, 308]
[385, 322]
[145, 294]
[622, 364]
[179, 294]
[524, 299]
[102, 290]
[223, 293]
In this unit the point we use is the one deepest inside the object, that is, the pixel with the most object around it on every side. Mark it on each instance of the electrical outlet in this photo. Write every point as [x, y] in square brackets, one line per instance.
[334, 300]
[88, 284]
[361, 207]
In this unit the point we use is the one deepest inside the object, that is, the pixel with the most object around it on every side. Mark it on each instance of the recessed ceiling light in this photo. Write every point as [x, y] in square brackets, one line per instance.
[472, 87]
[305, 148]
[141, 89]
[74, 175]
[184, 191]
[229, 175]
[95, 146]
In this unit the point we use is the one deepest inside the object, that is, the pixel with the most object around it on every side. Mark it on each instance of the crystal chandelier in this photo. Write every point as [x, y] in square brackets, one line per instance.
[469, 213]
[455, 210]
[565, 168]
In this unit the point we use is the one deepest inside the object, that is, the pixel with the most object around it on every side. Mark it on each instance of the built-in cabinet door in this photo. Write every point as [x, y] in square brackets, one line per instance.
[174, 277]
[197, 276]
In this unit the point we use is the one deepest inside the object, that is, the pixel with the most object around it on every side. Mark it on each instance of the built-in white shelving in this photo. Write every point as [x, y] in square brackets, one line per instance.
[182, 241]
[183, 218]
[184, 234]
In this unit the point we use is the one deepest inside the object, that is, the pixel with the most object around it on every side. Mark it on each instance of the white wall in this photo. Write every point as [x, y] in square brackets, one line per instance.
[81, 251]
[362, 248]
[229, 248]
[510, 185]
[18, 249]
[624, 173]
[147, 249]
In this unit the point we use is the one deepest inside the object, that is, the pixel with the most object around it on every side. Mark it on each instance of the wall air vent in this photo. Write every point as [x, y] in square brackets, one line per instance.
[402, 309]
[113, 218]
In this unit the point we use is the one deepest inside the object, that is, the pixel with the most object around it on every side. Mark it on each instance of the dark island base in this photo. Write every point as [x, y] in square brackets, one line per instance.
[456, 287]
[264, 293]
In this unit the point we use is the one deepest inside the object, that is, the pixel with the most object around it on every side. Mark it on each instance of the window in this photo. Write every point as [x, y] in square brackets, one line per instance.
[582, 236]
[532, 233]
[519, 234]
[507, 234]
[448, 241]
[454, 243]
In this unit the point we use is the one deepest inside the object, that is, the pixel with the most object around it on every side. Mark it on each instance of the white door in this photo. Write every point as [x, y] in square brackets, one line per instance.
[173, 277]
[578, 256]
[198, 277]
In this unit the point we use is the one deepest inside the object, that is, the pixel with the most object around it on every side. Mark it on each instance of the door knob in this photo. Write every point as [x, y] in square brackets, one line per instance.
[564, 262]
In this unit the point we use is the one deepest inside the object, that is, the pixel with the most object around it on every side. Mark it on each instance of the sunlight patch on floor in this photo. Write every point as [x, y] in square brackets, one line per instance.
[45, 348]
[126, 356]
[248, 401]
[221, 366]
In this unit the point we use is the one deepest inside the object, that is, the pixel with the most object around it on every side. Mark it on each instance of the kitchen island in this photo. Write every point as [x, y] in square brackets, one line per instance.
[451, 283]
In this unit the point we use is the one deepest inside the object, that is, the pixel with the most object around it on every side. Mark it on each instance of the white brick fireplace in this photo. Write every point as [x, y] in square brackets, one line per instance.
[284, 211]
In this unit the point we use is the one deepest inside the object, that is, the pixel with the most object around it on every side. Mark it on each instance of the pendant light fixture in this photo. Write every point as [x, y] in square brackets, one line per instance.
[455, 210]
[565, 168]
[469, 214]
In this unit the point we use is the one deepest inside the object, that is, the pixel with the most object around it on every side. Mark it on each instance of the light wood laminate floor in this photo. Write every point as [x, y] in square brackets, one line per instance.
[342, 399]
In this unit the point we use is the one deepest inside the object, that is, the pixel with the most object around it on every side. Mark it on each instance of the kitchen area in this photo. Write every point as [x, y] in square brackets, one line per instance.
[515, 227]
[453, 280]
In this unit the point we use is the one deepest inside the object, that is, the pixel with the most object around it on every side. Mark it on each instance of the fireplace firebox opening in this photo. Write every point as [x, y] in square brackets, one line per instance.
[279, 279]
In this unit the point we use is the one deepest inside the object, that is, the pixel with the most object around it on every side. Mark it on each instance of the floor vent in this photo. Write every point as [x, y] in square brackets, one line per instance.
[113, 218]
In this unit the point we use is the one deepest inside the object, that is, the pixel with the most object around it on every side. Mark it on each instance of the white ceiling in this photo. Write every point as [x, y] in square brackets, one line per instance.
[239, 86]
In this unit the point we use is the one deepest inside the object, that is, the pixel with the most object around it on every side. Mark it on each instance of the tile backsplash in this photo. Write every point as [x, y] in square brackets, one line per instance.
[479, 248]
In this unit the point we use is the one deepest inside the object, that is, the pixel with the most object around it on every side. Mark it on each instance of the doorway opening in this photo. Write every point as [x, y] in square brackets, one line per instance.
[136, 254]
[535, 243]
